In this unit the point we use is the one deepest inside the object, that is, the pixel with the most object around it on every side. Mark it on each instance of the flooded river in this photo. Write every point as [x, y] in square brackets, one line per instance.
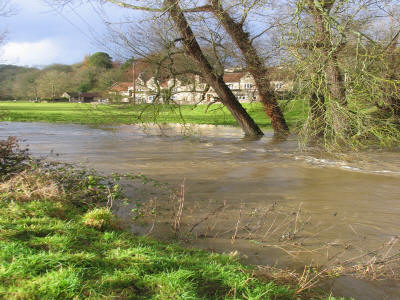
[272, 203]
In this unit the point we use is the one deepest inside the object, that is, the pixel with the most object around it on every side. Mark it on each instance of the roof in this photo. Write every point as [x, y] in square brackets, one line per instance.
[233, 77]
[72, 94]
[121, 86]
[164, 84]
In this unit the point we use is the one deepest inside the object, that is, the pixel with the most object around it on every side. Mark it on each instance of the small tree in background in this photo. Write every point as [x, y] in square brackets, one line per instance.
[100, 60]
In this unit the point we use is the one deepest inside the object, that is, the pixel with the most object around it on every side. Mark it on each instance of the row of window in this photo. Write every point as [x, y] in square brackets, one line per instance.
[247, 86]
[173, 97]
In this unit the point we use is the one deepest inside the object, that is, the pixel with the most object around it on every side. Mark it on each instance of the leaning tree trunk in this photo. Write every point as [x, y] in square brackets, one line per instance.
[193, 49]
[255, 66]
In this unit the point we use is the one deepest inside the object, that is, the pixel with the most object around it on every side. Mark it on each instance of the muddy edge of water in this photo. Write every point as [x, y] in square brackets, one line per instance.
[271, 203]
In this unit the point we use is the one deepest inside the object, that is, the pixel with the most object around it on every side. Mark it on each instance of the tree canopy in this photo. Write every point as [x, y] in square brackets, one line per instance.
[101, 60]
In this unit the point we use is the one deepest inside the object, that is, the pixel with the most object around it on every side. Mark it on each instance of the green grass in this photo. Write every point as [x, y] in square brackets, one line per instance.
[55, 243]
[128, 114]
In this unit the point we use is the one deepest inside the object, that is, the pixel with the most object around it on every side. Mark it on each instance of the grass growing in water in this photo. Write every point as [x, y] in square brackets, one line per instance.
[128, 114]
[56, 242]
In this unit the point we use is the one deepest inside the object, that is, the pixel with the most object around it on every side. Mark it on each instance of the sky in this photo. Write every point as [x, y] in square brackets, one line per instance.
[39, 35]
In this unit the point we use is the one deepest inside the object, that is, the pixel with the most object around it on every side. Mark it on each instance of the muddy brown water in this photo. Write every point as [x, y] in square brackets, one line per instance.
[270, 202]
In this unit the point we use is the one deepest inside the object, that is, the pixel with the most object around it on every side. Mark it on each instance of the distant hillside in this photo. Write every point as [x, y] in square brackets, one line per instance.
[52, 81]
[8, 73]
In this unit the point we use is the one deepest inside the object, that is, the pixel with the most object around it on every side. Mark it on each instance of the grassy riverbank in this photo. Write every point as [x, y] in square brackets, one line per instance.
[58, 241]
[128, 114]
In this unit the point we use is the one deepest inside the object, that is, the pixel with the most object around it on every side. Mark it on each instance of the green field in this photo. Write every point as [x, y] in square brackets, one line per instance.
[129, 114]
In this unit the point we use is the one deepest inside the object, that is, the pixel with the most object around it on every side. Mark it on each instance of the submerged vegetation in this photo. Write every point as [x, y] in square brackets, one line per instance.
[60, 241]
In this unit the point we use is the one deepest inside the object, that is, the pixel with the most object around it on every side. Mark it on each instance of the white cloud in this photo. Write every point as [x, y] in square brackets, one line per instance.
[43, 52]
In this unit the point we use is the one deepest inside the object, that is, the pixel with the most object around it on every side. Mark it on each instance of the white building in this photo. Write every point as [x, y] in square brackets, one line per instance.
[149, 90]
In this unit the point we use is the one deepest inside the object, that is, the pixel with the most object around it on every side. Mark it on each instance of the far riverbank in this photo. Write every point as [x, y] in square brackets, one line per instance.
[86, 113]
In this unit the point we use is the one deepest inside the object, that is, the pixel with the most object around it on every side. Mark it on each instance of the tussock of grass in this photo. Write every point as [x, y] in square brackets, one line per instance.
[99, 218]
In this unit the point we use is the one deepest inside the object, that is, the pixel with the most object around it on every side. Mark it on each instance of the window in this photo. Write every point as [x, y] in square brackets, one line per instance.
[248, 85]
[242, 97]
[150, 99]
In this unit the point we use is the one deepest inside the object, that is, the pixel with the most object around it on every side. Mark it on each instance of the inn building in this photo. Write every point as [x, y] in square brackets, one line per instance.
[145, 89]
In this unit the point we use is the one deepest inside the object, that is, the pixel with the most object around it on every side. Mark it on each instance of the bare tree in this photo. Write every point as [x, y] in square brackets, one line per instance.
[254, 62]
[193, 49]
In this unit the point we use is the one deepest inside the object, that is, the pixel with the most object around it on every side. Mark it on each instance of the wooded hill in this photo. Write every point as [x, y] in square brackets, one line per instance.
[51, 82]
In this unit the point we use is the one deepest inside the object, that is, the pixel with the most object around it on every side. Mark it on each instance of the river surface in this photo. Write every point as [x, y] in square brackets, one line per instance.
[267, 200]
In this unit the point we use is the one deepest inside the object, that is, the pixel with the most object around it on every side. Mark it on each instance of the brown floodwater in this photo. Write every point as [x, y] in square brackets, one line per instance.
[267, 200]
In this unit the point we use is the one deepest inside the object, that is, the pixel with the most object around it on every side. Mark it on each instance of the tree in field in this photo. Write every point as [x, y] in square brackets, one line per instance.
[339, 64]
[100, 60]
[316, 48]
[25, 86]
[105, 79]
[52, 84]
[255, 64]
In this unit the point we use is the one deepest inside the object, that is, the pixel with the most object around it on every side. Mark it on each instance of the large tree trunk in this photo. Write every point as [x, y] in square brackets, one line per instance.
[255, 66]
[318, 109]
[391, 98]
[334, 77]
[193, 49]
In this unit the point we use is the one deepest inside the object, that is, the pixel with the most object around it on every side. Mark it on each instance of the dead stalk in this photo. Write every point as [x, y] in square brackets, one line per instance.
[297, 219]
[110, 198]
[178, 214]
[154, 219]
[237, 226]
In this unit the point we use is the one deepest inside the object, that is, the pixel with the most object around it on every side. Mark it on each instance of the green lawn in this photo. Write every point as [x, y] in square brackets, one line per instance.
[128, 114]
